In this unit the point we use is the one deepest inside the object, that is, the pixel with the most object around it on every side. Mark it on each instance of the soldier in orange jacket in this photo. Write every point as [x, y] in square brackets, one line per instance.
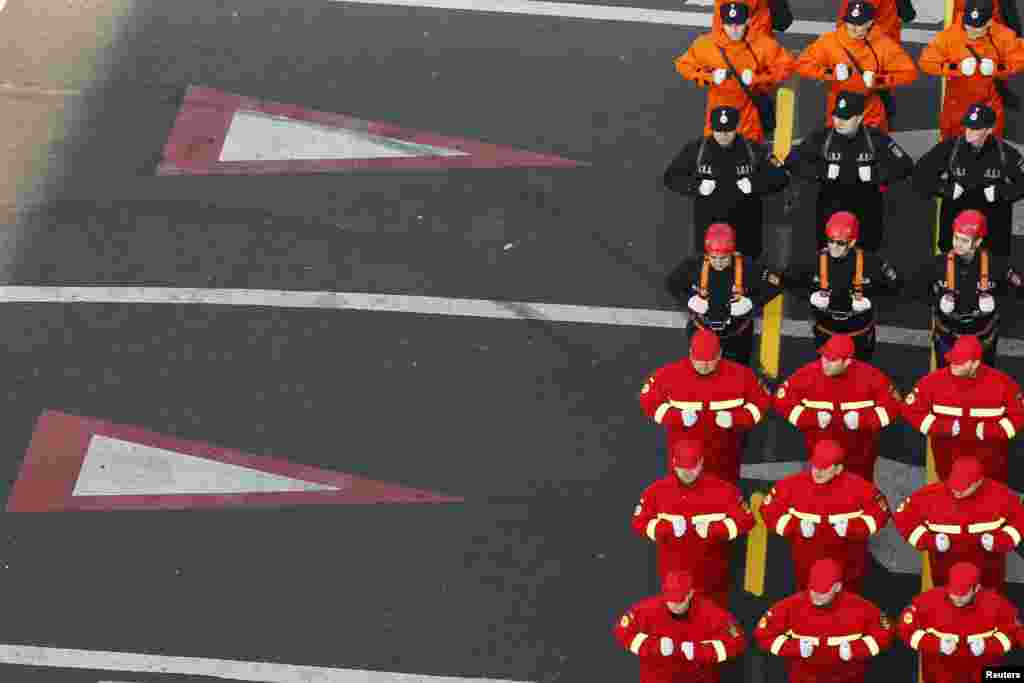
[849, 59]
[765, 16]
[966, 518]
[826, 633]
[692, 517]
[967, 408]
[889, 18]
[739, 70]
[680, 635]
[841, 399]
[826, 512]
[707, 398]
[977, 56]
[959, 628]
[1004, 12]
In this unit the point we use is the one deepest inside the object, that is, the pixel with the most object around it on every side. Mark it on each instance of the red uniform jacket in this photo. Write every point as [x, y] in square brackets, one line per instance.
[992, 509]
[992, 397]
[732, 387]
[931, 614]
[849, 618]
[709, 499]
[863, 388]
[846, 496]
[714, 632]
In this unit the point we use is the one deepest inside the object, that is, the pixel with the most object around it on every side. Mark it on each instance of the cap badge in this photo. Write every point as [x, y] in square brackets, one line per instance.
[974, 14]
[855, 12]
[725, 118]
[732, 11]
[974, 115]
[842, 104]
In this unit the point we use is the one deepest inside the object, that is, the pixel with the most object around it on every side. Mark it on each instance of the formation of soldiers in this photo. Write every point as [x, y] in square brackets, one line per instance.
[708, 402]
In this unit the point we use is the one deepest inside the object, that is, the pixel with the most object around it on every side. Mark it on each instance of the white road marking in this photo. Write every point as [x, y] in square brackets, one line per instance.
[229, 669]
[643, 15]
[425, 305]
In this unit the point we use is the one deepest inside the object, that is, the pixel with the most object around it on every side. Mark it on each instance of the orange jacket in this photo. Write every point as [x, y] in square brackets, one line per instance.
[881, 54]
[769, 61]
[942, 57]
[760, 17]
[887, 21]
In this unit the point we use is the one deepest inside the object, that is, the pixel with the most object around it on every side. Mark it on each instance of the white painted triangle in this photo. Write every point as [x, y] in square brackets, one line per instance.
[114, 467]
[255, 136]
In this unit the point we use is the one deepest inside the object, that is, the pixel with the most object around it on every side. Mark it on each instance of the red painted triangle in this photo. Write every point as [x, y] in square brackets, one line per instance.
[72, 458]
[198, 137]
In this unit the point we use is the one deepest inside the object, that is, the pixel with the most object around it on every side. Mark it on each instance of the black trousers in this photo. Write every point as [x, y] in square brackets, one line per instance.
[864, 342]
[943, 343]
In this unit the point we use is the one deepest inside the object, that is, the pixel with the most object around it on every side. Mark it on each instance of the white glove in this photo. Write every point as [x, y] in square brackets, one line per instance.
[747, 77]
[833, 171]
[806, 528]
[986, 303]
[948, 646]
[956, 427]
[697, 304]
[988, 542]
[958, 190]
[968, 65]
[840, 527]
[707, 186]
[741, 306]
[701, 528]
[679, 527]
[977, 646]
[860, 304]
[744, 185]
[865, 173]
[980, 431]
[869, 78]
[806, 648]
[845, 651]
[820, 299]
[723, 418]
[852, 419]
[720, 75]
[990, 193]
[947, 304]
[689, 417]
[824, 418]
[988, 67]
[942, 542]
[842, 72]
[667, 647]
[686, 647]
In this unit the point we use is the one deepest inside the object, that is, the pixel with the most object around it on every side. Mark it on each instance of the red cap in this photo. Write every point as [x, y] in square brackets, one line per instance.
[963, 576]
[966, 348]
[970, 223]
[686, 454]
[704, 345]
[838, 347]
[966, 471]
[843, 225]
[826, 454]
[825, 573]
[676, 586]
[720, 239]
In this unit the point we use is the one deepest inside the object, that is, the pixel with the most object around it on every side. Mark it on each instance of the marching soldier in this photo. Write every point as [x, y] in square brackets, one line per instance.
[841, 399]
[959, 628]
[691, 517]
[739, 71]
[840, 284]
[728, 176]
[709, 399]
[680, 635]
[1003, 12]
[721, 290]
[966, 518]
[977, 57]
[765, 16]
[976, 170]
[854, 165]
[827, 633]
[890, 16]
[826, 512]
[849, 59]
[967, 407]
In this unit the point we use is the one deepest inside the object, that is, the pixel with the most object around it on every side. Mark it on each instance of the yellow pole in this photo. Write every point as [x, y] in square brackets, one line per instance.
[757, 550]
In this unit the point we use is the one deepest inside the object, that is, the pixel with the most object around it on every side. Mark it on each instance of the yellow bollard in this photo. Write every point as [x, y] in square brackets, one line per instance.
[757, 550]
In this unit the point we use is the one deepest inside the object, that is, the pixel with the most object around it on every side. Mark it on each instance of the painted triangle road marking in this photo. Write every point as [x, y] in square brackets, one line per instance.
[217, 133]
[76, 463]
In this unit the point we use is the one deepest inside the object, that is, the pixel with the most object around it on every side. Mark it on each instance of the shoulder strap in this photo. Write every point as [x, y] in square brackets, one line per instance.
[735, 74]
[951, 270]
[858, 272]
[983, 282]
[823, 269]
[952, 155]
[867, 136]
[704, 272]
[750, 152]
[828, 143]
[1002, 153]
[737, 277]
[700, 152]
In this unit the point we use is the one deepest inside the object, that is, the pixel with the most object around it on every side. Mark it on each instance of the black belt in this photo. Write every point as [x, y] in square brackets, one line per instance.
[719, 326]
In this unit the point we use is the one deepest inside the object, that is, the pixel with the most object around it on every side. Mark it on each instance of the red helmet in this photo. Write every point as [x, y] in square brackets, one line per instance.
[720, 240]
[843, 225]
[971, 224]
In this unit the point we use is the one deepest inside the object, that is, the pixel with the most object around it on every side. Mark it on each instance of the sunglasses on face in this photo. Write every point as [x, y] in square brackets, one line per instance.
[839, 243]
